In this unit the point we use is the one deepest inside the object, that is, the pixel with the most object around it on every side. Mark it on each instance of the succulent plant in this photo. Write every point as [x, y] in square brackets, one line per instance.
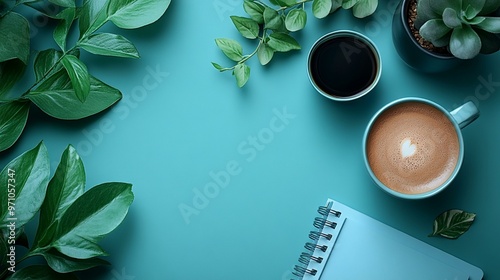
[465, 27]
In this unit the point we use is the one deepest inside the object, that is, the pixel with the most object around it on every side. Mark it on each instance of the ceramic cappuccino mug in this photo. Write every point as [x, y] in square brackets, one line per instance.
[344, 65]
[413, 148]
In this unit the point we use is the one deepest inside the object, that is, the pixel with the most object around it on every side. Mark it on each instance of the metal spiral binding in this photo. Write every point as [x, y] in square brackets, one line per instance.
[319, 222]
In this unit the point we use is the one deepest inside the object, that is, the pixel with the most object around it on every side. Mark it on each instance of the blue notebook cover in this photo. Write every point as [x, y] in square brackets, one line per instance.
[350, 245]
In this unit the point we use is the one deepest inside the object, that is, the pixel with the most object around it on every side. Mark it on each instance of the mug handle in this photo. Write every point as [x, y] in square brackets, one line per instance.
[465, 114]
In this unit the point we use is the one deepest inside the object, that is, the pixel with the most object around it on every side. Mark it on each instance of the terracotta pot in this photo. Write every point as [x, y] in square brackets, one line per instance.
[410, 50]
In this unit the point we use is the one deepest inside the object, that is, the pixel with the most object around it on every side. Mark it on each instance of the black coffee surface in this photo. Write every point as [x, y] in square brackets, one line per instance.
[343, 66]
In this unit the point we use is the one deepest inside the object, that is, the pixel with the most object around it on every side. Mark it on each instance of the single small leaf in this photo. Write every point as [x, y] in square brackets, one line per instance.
[475, 21]
[109, 44]
[286, 3]
[91, 16]
[296, 20]
[13, 118]
[272, 19]
[425, 12]
[282, 42]
[45, 61]
[29, 173]
[218, 67]
[247, 27]
[40, 272]
[321, 8]
[10, 72]
[14, 37]
[93, 215]
[450, 18]
[67, 184]
[434, 29]
[64, 264]
[452, 223]
[231, 48]
[61, 31]
[465, 43]
[265, 53]
[490, 24]
[242, 73]
[79, 76]
[255, 10]
[63, 104]
[364, 8]
[131, 14]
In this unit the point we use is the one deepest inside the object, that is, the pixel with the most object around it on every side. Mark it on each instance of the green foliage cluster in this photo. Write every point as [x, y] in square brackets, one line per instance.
[71, 220]
[465, 27]
[63, 87]
[271, 24]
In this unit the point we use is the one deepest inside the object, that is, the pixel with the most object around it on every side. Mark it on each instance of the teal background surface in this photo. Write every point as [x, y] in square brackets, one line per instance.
[182, 127]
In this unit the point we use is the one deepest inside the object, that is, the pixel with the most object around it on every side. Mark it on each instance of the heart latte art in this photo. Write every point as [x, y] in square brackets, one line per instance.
[412, 147]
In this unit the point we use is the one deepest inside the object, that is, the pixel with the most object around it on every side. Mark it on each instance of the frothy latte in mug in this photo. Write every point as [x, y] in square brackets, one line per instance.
[412, 147]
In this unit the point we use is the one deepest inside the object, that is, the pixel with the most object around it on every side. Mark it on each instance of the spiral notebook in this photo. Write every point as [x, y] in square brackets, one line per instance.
[349, 245]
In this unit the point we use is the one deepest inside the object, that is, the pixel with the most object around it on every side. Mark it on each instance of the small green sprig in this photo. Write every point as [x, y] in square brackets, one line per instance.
[271, 27]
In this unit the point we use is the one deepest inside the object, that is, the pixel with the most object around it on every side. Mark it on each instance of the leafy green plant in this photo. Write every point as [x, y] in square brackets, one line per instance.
[271, 27]
[452, 223]
[71, 220]
[465, 27]
[63, 87]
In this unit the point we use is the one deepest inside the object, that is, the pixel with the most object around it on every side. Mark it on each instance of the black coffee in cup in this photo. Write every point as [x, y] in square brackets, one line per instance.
[344, 65]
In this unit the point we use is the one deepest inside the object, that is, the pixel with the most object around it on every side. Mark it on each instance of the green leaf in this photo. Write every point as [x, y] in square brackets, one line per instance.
[347, 4]
[218, 67]
[61, 31]
[67, 184]
[282, 42]
[242, 73]
[131, 14]
[286, 3]
[29, 174]
[452, 223]
[490, 6]
[64, 264]
[92, 15]
[439, 6]
[272, 19]
[472, 7]
[14, 38]
[79, 76]
[3, 250]
[450, 18]
[63, 104]
[40, 272]
[296, 20]
[10, 72]
[247, 27]
[364, 8]
[465, 43]
[434, 29]
[255, 10]
[321, 8]
[93, 215]
[110, 45]
[45, 61]
[231, 48]
[13, 118]
[490, 24]
[265, 54]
